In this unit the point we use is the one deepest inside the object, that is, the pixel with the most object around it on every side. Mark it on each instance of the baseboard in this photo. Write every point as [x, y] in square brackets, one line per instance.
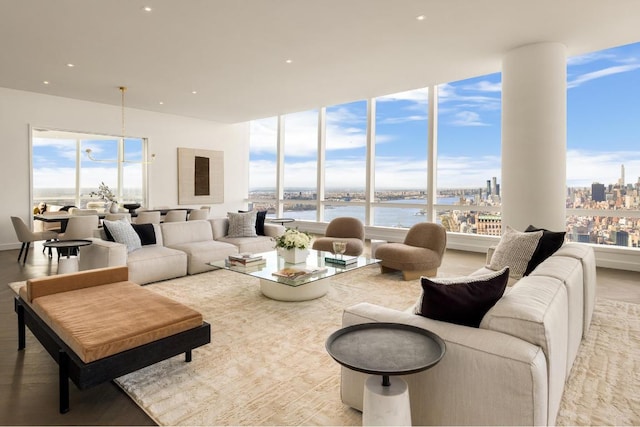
[11, 246]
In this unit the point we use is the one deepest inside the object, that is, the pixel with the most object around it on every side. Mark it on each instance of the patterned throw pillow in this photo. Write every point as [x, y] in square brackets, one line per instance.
[514, 251]
[123, 232]
[242, 224]
[461, 300]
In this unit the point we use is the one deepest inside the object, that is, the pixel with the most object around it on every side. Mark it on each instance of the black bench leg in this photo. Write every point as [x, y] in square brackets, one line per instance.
[21, 326]
[187, 356]
[63, 364]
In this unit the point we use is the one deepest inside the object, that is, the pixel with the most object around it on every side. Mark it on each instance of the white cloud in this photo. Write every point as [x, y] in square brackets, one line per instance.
[420, 96]
[583, 78]
[467, 118]
[404, 119]
[589, 57]
[484, 86]
[586, 167]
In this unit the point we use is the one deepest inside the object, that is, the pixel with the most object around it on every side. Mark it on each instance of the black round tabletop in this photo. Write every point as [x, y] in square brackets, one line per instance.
[67, 243]
[385, 348]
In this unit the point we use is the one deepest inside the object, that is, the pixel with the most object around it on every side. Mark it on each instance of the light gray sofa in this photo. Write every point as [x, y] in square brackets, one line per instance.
[512, 369]
[181, 248]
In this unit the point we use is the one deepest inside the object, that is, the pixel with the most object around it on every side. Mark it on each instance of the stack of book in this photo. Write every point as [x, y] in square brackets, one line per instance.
[343, 261]
[298, 273]
[246, 261]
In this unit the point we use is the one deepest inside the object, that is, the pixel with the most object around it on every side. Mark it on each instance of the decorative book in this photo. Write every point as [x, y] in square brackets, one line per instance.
[345, 260]
[246, 259]
[298, 273]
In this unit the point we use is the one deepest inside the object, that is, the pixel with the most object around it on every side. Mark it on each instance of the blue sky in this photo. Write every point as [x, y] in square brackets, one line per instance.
[603, 131]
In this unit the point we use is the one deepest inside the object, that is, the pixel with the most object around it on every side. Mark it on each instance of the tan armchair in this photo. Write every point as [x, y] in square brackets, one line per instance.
[344, 229]
[420, 254]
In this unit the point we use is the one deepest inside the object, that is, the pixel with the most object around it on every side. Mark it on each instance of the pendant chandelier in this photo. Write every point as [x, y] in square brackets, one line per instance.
[122, 89]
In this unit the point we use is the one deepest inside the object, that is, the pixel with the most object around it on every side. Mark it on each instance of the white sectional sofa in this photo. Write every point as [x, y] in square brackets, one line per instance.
[181, 248]
[512, 369]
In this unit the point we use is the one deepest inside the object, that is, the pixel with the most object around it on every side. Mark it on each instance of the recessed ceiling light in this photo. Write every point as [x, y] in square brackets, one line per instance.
[161, 103]
[147, 9]
[289, 61]
[45, 82]
[70, 65]
[194, 92]
[420, 17]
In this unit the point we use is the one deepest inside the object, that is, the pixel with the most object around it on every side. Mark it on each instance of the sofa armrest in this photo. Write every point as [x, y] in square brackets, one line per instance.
[49, 285]
[485, 377]
[101, 254]
[273, 230]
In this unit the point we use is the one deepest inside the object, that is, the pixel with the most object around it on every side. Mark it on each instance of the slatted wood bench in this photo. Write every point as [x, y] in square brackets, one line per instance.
[99, 326]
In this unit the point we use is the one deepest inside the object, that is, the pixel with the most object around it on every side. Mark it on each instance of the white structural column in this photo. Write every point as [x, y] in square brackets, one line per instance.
[534, 128]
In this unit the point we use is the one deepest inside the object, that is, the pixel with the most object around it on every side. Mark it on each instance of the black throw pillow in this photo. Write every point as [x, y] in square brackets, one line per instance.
[260, 217]
[548, 244]
[146, 232]
[462, 300]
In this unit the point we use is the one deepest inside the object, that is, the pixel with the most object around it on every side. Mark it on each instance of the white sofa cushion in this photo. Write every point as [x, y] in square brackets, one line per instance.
[177, 233]
[201, 253]
[535, 310]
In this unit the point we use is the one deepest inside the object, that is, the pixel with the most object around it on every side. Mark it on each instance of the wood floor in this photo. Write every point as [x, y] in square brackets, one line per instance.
[28, 379]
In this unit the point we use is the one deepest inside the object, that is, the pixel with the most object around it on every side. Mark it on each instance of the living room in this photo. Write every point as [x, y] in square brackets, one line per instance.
[89, 102]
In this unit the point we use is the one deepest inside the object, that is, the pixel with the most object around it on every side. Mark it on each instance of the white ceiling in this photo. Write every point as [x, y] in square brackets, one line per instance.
[233, 52]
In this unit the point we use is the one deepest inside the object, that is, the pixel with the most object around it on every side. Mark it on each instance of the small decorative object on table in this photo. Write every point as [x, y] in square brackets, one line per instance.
[105, 193]
[131, 207]
[293, 245]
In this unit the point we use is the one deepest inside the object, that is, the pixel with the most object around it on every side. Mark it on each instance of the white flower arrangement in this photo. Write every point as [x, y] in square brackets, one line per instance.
[293, 238]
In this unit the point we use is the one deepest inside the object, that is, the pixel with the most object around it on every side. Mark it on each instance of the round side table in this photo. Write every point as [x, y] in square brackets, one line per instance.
[68, 264]
[380, 349]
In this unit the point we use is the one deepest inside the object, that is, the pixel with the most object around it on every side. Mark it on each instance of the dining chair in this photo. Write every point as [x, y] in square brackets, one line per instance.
[148, 217]
[80, 227]
[26, 236]
[176, 215]
[198, 214]
[118, 216]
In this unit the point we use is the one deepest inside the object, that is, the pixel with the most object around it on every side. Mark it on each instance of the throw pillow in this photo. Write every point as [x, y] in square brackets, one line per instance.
[462, 300]
[549, 243]
[146, 232]
[123, 232]
[260, 218]
[514, 251]
[242, 224]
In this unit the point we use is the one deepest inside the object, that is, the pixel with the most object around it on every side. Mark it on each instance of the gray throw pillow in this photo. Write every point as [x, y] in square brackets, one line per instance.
[242, 224]
[123, 232]
[514, 251]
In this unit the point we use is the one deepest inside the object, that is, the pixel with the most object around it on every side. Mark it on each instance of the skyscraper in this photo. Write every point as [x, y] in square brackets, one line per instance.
[622, 180]
[597, 192]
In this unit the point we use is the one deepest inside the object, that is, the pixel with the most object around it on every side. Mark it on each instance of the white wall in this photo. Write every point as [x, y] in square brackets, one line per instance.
[19, 110]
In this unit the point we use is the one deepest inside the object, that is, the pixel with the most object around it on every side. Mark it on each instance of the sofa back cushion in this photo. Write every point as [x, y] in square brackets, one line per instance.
[178, 233]
[219, 227]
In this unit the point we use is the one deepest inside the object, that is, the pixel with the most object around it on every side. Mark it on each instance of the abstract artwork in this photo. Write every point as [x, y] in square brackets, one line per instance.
[200, 176]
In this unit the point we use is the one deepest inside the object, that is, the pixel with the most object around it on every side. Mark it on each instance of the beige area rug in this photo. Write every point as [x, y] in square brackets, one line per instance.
[267, 365]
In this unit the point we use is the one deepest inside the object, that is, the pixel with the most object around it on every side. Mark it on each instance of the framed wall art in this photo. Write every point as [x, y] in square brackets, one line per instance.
[200, 176]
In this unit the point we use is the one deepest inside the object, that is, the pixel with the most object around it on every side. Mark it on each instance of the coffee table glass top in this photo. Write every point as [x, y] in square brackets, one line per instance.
[315, 261]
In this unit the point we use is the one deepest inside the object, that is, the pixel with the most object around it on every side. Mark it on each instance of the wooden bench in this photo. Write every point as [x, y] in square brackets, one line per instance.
[99, 326]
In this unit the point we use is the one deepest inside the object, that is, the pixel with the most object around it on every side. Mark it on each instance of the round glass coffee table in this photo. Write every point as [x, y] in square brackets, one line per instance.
[380, 349]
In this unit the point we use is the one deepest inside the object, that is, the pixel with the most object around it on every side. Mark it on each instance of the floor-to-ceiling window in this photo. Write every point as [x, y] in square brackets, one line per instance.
[401, 158]
[345, 160]
[64, 175]
[263, 164]
[469, 136]
[603, 140]
[300, 165]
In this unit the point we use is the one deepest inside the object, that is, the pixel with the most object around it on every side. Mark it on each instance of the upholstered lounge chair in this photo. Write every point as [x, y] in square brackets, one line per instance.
[344, 229]
[420, 254]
